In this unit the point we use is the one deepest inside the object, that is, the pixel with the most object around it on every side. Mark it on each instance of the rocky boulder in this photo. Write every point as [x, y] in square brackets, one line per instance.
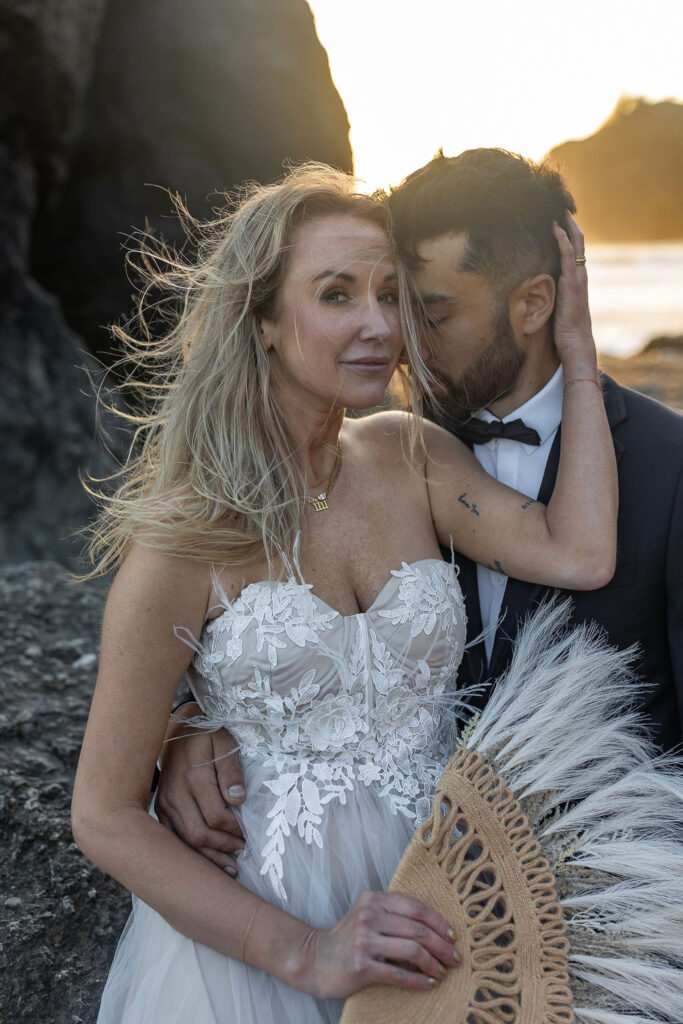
[194, 98]
[626, 177]
[47, 430]
[46, 425]
[97, 99]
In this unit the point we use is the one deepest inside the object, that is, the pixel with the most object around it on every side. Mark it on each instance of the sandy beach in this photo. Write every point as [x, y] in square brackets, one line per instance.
[656, 371]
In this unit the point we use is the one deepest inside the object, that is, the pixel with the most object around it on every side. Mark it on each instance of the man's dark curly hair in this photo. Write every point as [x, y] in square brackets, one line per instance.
[505, 203]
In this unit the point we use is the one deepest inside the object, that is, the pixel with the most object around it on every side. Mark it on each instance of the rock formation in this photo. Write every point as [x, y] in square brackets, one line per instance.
[99, 99]
[46, 424]
[193, 98]
[626, 178]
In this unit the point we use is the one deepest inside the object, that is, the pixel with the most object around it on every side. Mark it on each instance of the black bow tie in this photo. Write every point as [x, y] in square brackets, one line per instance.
[476, 431]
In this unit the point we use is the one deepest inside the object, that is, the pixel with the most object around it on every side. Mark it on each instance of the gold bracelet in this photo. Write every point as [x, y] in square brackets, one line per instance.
[575, 380]
[248, 928]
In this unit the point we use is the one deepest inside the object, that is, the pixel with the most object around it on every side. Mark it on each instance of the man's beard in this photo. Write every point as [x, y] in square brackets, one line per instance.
[492, 376]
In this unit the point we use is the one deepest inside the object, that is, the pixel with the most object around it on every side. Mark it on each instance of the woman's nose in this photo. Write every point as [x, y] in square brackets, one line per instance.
[378, 321]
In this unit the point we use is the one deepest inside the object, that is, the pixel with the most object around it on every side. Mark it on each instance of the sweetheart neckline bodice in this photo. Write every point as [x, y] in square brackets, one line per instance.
[322, 703]
[393, 578]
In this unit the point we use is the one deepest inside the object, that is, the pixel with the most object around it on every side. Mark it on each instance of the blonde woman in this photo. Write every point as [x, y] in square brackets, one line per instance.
[288, 559]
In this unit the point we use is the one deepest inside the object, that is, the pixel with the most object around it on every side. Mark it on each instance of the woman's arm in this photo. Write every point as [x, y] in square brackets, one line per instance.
[571, 543]
[141, 663]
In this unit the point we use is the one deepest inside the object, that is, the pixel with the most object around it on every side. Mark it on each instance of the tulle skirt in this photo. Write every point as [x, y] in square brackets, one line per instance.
[161, 977]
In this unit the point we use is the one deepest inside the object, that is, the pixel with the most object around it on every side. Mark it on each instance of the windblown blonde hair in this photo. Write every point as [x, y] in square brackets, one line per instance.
[212, 471]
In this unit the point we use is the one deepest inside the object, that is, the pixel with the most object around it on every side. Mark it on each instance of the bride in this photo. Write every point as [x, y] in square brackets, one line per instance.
[288, 558]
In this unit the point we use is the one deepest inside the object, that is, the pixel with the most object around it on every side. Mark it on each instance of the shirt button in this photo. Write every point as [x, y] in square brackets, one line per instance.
[499, 580]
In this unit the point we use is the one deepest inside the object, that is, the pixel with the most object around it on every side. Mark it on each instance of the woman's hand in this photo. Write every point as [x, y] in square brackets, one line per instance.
[384, 939]
[200, 778]
[572, 324]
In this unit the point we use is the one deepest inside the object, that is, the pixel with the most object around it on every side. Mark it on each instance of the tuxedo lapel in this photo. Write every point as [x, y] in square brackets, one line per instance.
[473, 667]
[615, 407]
[521, 597]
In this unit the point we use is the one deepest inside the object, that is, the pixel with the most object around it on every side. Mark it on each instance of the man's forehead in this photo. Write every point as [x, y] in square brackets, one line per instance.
[444, 252]
[438, 274]
[442, 278]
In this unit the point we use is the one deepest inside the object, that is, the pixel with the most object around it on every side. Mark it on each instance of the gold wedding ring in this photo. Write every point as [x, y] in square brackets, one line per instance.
[580, 260]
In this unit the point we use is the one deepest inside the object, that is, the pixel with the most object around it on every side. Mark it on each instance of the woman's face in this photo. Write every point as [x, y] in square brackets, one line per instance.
[335, 339]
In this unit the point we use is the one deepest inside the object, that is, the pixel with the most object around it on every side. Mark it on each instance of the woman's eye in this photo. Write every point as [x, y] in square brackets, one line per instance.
[333, 296]
[435, 322]
[389, 297]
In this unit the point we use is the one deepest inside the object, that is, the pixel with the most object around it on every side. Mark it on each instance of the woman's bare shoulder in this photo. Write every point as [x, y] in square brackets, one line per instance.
[393, 429]
[385, 429]
[162, 582]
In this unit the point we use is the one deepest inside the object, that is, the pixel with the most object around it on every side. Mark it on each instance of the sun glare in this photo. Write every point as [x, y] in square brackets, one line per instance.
[526, 76]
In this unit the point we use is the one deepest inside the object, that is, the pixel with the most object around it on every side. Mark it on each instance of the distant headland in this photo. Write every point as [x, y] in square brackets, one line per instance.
[627, 178]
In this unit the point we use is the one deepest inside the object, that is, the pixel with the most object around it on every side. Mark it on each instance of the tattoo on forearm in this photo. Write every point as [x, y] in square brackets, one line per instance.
[529, 503]
[471, 505]
[497, 567]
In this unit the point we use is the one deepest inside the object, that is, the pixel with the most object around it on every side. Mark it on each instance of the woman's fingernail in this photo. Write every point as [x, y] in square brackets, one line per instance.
[235, 792]
[433, 982]
[450, 934]
[443, 969]
[456, 956]
[230, 870]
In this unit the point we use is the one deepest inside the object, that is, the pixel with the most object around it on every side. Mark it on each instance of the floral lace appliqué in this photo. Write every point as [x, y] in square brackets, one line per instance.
[366, 707]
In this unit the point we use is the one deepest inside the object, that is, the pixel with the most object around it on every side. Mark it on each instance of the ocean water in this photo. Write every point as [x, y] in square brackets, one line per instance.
[636, 293]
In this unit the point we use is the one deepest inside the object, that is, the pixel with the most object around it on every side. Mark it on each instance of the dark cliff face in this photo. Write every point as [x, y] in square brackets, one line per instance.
[192, 97]
[46, 424]
[98, 99]
[626, 178]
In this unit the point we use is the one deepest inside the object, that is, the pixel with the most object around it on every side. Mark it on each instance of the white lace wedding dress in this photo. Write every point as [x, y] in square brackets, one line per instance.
[338, 722]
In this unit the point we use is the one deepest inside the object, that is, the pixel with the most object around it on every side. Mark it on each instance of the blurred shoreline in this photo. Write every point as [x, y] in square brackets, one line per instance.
[657, 370]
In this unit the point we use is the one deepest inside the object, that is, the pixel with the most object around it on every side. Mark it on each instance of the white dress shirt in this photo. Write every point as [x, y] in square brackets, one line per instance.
[520, 466]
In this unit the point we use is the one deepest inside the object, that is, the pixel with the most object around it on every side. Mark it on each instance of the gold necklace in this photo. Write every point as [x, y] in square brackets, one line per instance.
[320, 503]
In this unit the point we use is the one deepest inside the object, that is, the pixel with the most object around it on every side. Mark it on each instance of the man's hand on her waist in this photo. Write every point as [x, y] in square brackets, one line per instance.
[200, 778]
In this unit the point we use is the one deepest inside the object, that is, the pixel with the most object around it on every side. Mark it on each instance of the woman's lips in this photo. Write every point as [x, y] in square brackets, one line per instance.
[368, 363]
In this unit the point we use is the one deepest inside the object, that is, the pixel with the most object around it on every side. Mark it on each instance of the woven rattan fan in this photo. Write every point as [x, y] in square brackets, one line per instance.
[555, 850]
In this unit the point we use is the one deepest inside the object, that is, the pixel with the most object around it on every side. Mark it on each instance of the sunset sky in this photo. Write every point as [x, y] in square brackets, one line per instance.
[524, 75]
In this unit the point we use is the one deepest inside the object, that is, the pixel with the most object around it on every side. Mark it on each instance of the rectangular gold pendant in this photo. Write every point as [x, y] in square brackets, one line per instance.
[319, 504]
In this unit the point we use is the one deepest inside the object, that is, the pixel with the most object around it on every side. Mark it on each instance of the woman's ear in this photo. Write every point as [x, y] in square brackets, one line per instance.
[266, 329]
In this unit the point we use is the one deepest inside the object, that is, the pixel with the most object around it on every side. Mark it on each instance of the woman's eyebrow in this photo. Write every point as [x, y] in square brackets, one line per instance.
[341, 275]
[431, 298]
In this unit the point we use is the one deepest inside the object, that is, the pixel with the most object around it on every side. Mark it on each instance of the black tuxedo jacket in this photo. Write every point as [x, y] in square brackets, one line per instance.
[644, 600]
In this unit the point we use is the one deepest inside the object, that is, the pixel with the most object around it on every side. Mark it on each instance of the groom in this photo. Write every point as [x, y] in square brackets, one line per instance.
[476, 232]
